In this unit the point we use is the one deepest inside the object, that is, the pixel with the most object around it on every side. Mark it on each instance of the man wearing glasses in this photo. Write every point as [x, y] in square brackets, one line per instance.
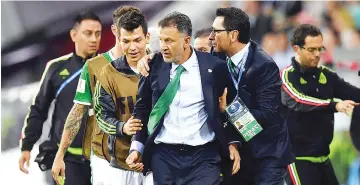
[257, 82]
[309, 94]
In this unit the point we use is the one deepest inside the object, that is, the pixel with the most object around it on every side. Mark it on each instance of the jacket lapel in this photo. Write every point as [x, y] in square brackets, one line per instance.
[206, 82]
[163, 75]
[248, 63]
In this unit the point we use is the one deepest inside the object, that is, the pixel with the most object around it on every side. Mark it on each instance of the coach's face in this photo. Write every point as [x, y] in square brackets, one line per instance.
[220, 38]
[173, 44]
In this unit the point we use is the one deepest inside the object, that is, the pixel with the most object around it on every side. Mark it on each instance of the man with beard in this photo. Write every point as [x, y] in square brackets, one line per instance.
[311, 94]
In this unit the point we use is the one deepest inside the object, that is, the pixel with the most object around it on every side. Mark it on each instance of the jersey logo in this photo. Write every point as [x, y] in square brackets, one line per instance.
[322, 78]
[64, 73]
[302, 81]
[124, 102]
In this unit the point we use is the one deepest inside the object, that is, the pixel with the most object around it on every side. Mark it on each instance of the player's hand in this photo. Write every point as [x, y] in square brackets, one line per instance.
[132, 126]
[222, 101]
[346, 106]
[134, 161]
[143, 65]
[24, 158]
[58, 168]
[234, 156]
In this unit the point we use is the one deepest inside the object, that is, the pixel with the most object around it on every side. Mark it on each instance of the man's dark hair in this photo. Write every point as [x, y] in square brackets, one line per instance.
[302, 31]
[205, 32]
[236, 19]
[122, 10]
[86, 15]
[179, 20]
[132, 20]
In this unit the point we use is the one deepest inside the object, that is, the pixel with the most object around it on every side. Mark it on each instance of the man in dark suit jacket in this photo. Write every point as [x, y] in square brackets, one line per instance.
[256, 76]
[187, 142]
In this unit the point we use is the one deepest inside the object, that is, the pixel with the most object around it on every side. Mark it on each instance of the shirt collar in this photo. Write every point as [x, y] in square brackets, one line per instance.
[111, 55]
[122, 65]
[79, 58]
[302, 69]
[240, 55]
[188, 64]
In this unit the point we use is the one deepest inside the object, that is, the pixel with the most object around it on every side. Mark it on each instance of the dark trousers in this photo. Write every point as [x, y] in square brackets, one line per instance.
[266, 176]
[256, 171]
[178, 165]
[77, 173]
[311, 173]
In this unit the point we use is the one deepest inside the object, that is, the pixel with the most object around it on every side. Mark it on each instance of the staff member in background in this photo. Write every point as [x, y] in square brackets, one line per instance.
[309, 93]
[202, 42]
[59, 83]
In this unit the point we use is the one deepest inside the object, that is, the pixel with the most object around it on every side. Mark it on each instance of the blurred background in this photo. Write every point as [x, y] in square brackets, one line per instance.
[33, 33]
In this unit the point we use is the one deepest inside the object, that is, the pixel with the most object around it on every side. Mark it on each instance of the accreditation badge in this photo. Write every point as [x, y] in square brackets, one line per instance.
[241, 118]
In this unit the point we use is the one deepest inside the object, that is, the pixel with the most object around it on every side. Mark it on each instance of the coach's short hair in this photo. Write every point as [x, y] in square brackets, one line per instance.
[179, 20]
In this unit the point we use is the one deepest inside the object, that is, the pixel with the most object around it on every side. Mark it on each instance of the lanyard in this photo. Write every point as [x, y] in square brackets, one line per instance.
[241, 70]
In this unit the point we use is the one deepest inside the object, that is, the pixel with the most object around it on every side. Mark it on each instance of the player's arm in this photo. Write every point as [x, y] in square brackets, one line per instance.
[71, 129]
[78, 112]
[106, 115]
[82, 101]
[72, 126]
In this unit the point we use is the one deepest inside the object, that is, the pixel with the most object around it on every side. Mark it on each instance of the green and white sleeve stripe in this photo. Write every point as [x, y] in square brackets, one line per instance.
[106, 127]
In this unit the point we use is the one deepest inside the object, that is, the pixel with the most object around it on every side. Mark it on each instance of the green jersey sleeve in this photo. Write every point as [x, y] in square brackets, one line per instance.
[83, 90]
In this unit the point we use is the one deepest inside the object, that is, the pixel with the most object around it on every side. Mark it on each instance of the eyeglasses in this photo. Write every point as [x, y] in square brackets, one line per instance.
[216, 31]
[312, 50]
